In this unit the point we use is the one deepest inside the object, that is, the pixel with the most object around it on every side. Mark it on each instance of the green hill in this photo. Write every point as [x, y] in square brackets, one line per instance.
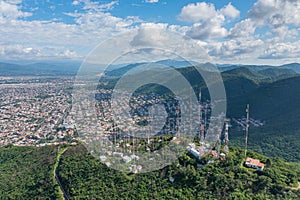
[273, 95]
[84, 177]
[27, 173]
[277, 105]
[275, 72]
[245, 72]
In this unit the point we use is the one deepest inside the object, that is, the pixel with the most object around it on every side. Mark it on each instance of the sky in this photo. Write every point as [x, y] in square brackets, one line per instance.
[243, 32]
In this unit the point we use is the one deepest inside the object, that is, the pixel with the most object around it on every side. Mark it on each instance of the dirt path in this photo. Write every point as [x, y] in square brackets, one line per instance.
[296, 188]
[56, 168]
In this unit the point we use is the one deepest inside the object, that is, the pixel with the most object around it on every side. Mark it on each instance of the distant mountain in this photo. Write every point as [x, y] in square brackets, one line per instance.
[293, 66]
[38, 69]
[121, 71]
[265, 75]
[177, 63]
[245, 72]
[51, 68]
[273, 72]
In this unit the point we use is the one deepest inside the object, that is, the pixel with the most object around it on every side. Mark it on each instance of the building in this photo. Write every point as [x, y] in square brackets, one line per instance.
[195, 153]
[254, 163]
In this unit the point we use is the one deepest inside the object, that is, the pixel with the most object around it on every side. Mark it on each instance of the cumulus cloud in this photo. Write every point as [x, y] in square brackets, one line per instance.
[244, 28]
[233, 49]
[230, 11]
[208, 29]
[275, 12]
[150, 34]
[279, 50]
[16, 51]
[10, 10]
[12, 51]
[91, 26]
[68, 54]
[197, 12]
[89, 5]
[277, 20]
[208, 22]
[156, 37]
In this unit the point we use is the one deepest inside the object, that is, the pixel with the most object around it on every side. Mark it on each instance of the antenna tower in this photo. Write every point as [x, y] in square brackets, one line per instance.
[247, 130]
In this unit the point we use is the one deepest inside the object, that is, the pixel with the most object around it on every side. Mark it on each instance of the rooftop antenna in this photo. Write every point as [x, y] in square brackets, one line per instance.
[205, 118]
[226, 140]
[177, 121]
[201, 132]
[190, 121]
[247, 129]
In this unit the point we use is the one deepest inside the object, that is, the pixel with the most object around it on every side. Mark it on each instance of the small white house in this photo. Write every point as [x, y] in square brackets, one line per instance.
[254, 163]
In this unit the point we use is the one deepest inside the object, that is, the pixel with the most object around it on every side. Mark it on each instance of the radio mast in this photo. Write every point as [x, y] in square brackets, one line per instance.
[226, 140]
[247, 130]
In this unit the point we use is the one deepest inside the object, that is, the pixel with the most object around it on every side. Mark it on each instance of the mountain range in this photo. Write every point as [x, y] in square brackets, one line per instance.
[273, 95]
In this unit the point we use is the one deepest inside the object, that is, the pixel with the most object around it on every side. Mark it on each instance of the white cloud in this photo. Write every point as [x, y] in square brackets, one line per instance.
[156, 37]
[239, 40]
[275, 12]
[11, 10]
[283, 32]
[197, 12]
[14, 1]
[236, 49]
[151, 1]
[208, 22]
[75, 3]
[208, 29]
[92, 26]
[202, 11]
[280, 50]
[96, 6]
[9, 51]
[278, 15]
[150, 34]
[244, 28]
[230, 11]
[68, 54]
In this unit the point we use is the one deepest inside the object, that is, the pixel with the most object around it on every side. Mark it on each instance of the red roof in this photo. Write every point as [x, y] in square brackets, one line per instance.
[255, 162]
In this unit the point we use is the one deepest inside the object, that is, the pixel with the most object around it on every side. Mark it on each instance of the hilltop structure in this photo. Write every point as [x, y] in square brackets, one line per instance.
[254, 163]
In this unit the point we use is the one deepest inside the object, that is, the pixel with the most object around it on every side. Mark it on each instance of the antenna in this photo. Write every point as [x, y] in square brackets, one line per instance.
[205, 119]
[177, 121]
[247, 129]
[191, 109]
[226, 140]
[201, 132]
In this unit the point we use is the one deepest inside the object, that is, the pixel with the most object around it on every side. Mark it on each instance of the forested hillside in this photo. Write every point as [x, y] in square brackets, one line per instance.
[27, 173]
[84, 177]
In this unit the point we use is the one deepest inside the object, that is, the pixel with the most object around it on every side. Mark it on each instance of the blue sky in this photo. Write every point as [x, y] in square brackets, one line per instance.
[248, 32]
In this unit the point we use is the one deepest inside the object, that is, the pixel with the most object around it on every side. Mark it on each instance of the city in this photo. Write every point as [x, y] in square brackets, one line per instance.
[33, 109]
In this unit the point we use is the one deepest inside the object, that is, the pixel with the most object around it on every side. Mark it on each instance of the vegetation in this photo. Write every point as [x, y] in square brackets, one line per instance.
[84, 177]
[27, 173]
[277, 105]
